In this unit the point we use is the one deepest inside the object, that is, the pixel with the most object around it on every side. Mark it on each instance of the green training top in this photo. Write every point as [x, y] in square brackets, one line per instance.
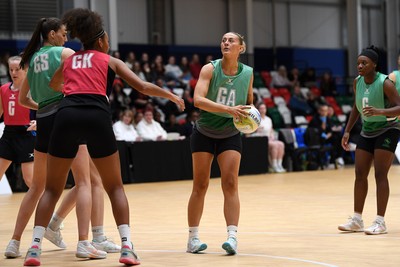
[44, 62]
[226, 90]
[397, 84]
[373, 95]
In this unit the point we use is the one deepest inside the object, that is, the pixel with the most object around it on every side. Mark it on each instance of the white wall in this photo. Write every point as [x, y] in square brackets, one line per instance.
[298, 23]
[132, 21]
[200, 22]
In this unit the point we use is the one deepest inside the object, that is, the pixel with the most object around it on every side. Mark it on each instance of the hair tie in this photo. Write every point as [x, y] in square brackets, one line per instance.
[371, 54]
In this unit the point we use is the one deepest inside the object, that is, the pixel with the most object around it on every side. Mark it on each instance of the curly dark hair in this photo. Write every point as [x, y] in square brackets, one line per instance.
[85, 25]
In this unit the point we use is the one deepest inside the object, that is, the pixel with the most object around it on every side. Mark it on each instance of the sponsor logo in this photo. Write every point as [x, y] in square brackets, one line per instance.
[386, 142]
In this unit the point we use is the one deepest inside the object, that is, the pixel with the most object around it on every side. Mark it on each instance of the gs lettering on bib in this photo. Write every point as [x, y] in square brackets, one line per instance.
[85, 72]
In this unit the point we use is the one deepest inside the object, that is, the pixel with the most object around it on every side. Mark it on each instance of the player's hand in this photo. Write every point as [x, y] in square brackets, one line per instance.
[239, 112]
[345, 141]
[179, 102]
[370, 111]
[32, 126]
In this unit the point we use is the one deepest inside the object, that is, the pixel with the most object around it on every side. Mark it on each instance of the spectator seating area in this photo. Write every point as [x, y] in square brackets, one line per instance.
[277, 101]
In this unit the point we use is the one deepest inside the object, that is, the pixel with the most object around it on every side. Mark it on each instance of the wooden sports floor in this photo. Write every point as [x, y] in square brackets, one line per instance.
[286, 220]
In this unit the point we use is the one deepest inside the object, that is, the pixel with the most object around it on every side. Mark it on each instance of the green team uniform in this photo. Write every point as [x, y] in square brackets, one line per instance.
[45, 61]
[226, 90]
[397, 84]
[373, 95]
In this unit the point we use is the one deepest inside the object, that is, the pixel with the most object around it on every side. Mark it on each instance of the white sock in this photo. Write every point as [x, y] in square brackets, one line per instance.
[55, 222]
[194, 232]
[380, 219]
[38, 234]
[358, 216]
[280, 163]
[232, 231]
[98, 233]
[125, 234]
[84, 242]
[275, 163]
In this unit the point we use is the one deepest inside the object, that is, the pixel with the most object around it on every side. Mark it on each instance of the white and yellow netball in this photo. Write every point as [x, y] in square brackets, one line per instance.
[250, 123]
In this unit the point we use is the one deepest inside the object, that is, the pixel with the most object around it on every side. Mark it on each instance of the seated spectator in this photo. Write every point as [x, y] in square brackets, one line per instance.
[148, 75]
[118, 100]
[186, 75]
[191, 119]
[327, 85]
[137, 117]
[323, 123]
[337, 126]
[276, 148]
[308, 78]
[294, 76]
[137, 69]
[195, 66]
[149, 129]
[172, 125]
[298, 103]
[314, 101]
[130, 60]
[173, 71]
[144, 58]
[280, 80]
[124, 130]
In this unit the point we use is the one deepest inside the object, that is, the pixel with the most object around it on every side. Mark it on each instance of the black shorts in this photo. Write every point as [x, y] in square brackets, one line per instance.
[202, 143]
[18, 149]
[44, 127]
[76, 125]
[386, 141]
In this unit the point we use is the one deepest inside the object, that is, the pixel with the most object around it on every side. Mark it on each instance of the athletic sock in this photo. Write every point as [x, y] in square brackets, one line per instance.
[194, 232]
[380, 219]
[125, 234]
[38, 234]
[232, 231]
[98, 233]
[55, 222]
[357, 216]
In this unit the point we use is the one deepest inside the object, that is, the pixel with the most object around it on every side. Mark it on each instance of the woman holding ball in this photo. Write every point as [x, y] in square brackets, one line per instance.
[224, 88]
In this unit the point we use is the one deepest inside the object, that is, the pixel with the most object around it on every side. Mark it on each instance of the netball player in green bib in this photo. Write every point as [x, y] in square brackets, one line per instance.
[222, 92]
[378, 103]
[395, 75]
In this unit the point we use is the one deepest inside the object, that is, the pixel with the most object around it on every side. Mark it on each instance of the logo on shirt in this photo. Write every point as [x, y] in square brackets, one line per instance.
[229, 81]
[12, 96]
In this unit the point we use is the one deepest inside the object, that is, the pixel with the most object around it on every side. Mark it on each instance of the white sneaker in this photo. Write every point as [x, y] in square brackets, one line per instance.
[55, 237]
[339, 163]
[376, 228]
[106, 245]
[194, 245]
[281, 169]
[87, 250]
[230, 246]
[353, 225]
[12, 250]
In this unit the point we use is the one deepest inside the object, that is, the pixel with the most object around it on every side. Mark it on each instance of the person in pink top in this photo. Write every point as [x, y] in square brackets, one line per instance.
[85, 78]
[16, 143]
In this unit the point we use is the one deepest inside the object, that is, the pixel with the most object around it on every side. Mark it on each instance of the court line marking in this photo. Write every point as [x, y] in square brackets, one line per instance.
[247, 254]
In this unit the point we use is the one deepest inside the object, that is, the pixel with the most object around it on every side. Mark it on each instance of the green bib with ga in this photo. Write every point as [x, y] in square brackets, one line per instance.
[226, 90]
